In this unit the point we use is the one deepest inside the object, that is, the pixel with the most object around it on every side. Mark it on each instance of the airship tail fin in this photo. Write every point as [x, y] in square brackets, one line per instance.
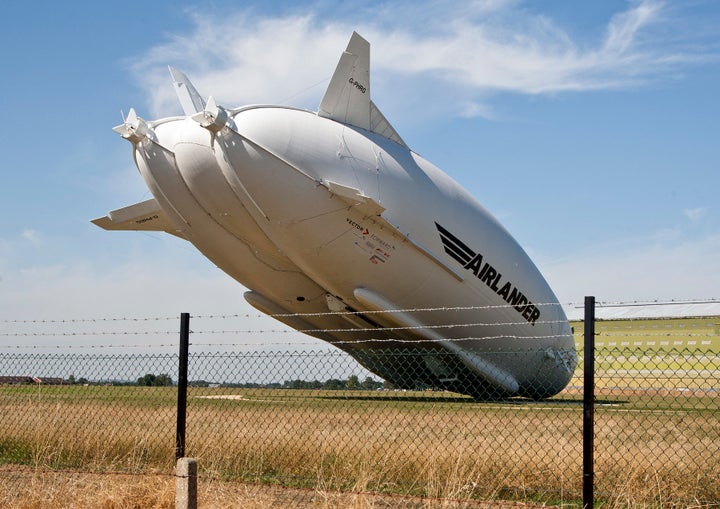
[191, 101]
[380, 125]
[347, 98]
[145, 216]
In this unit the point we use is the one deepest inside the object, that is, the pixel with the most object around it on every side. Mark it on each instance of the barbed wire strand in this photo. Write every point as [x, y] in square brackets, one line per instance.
[277, 315]
[568, 305]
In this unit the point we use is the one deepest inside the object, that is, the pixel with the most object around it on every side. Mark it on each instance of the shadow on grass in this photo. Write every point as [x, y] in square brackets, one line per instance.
[465, 400]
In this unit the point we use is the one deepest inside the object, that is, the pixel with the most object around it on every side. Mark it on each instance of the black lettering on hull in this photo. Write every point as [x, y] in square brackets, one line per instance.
[472, 261]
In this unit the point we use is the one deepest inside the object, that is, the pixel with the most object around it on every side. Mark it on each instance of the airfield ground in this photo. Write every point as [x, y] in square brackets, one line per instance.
[657, 423]
[701, 333]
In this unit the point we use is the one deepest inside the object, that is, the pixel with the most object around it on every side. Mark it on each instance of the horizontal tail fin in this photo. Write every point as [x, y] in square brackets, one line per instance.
[143, 216]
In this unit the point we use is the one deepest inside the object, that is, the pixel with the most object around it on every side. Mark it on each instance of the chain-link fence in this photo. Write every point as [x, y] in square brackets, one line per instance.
[314, 421]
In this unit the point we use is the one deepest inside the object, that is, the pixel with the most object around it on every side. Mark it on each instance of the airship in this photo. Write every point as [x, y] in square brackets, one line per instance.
[338, 229]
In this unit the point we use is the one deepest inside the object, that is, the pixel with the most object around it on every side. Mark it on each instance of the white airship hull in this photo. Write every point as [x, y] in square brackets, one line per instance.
[315, 215]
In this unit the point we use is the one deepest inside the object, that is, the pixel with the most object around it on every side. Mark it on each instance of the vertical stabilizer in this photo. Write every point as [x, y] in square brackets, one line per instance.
[347, 98]
[191, 101]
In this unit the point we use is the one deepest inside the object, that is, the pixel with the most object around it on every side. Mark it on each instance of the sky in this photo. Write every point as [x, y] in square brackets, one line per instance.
[589, 129]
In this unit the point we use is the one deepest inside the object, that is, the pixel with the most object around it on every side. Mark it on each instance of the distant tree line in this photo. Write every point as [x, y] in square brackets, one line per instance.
[352, 383]
[334, 384]
[79, 381]
[150, 380]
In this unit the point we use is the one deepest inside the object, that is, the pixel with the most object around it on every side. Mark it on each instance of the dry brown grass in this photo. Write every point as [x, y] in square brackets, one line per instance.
[450, 454]
[26, 488]
[33, 489]
[436, 452]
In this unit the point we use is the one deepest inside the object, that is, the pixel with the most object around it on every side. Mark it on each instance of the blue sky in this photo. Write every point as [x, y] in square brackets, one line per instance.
[590, 129]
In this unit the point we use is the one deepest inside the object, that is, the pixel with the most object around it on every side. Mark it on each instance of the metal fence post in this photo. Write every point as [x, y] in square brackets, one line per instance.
[182, 385]
[589, 402]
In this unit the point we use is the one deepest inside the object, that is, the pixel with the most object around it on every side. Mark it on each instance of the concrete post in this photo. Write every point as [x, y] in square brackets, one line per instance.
[186, 484]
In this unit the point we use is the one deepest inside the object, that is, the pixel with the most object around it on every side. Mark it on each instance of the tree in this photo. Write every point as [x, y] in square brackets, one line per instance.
[334, 384]
[370, 385]
[151, 380]
[163, 380]
[353, 383]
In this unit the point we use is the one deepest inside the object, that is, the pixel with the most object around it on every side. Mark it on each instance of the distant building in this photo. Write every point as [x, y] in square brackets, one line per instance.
[15, 380]
[22, 380]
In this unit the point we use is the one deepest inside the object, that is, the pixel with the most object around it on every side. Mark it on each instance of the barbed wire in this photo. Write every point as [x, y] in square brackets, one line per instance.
[314, 343]
[80, 334]
[94, 320]
[274, 315]
[309, 342]
[390, 329]
[406, 310]
[340, 342]
[394, 341]
[630, 303]
[568, 305]
[601, 334]
[312, 330]
[84, 347]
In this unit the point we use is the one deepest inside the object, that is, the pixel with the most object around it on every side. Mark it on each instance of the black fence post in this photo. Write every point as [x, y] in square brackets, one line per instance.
[589, 403]
[182, 385]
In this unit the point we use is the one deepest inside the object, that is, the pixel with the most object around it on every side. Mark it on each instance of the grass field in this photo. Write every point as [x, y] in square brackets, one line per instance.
[32, 489]
[657, 334]
[657, 444]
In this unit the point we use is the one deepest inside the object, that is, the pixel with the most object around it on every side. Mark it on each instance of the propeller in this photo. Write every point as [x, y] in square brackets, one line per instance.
[213, 117]
[133, 128]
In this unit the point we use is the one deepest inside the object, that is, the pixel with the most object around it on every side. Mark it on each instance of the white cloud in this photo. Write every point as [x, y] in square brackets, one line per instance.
[261, 66]
[624, 27]
[473, 51]
[475, 109]
[31, 236]
[696, 214]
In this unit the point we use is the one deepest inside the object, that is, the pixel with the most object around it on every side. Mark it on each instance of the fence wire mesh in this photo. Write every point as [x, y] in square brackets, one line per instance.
[313, 420]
